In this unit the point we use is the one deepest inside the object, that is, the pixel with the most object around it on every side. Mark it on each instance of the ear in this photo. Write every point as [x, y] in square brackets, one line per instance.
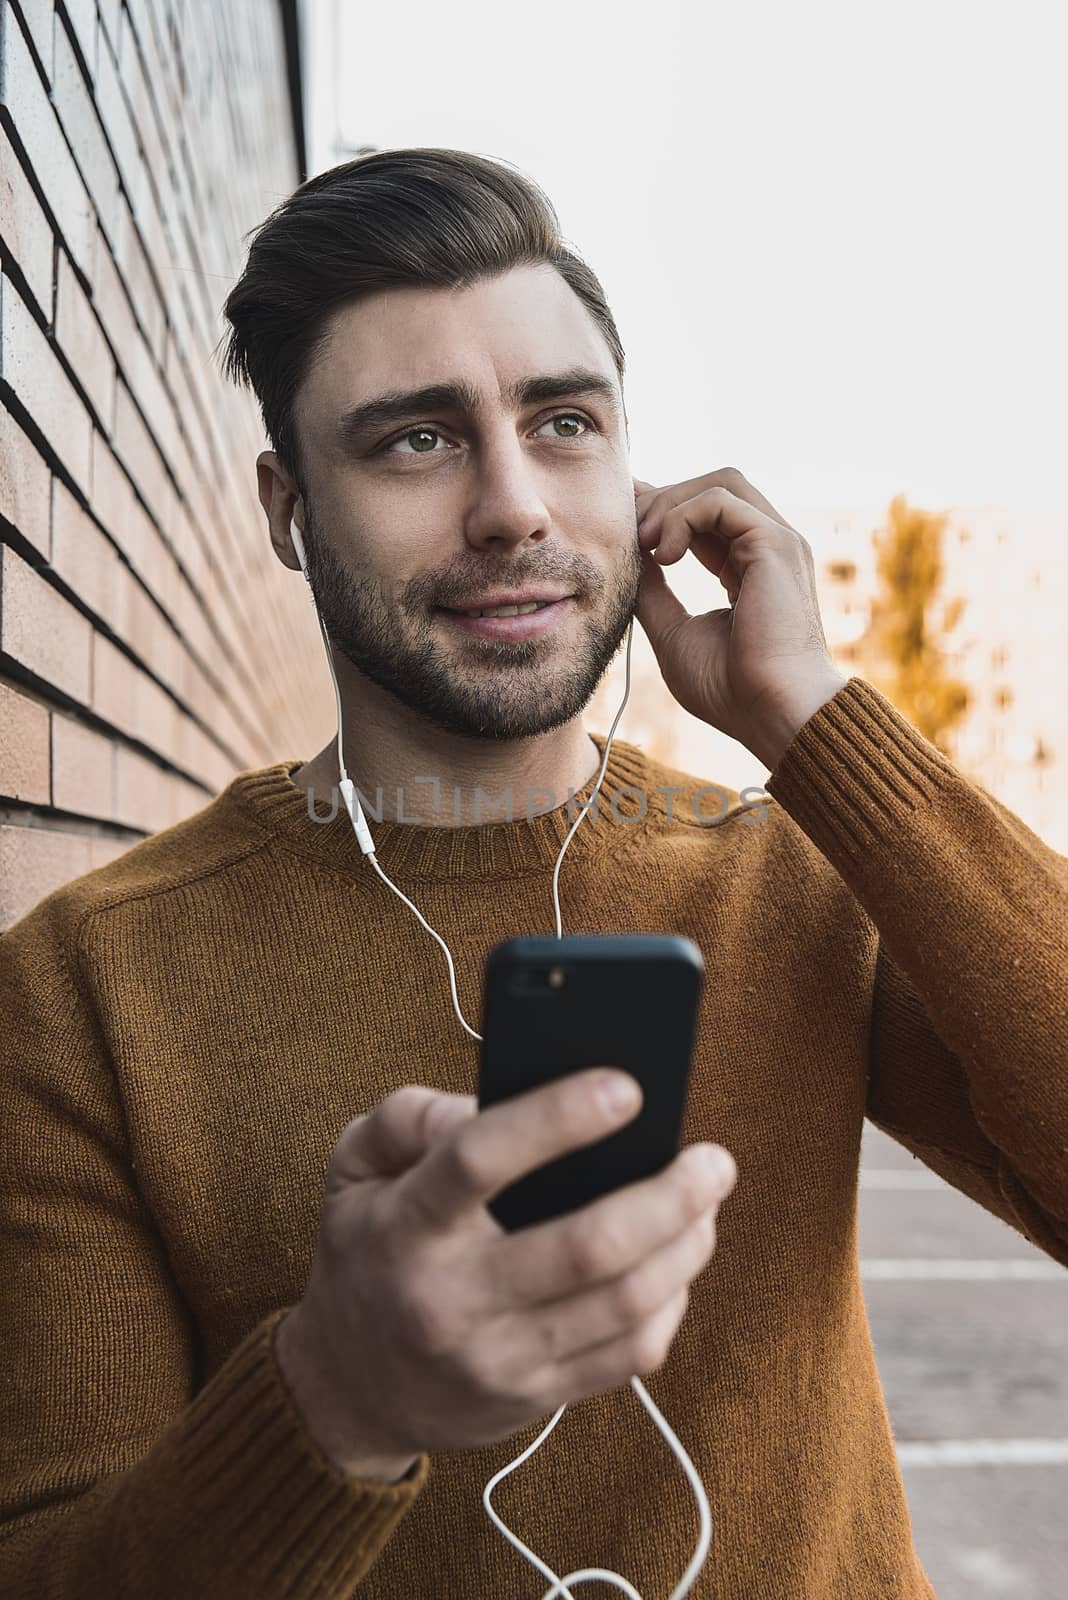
[282, 502]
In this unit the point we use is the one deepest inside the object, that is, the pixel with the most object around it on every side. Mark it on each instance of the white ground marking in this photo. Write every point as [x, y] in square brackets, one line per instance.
[983, 1452]
[948, 1270]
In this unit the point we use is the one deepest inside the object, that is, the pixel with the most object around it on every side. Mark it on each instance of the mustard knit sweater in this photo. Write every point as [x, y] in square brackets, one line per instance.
[185, 1031]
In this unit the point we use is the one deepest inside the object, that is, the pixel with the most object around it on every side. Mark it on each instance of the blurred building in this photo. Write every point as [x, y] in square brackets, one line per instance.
[150, 643]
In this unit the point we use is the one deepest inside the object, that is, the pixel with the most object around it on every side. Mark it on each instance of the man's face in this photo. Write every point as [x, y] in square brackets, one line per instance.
[417, 517]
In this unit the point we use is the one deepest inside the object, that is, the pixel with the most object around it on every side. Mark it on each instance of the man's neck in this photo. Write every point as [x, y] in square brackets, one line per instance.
[408, 771]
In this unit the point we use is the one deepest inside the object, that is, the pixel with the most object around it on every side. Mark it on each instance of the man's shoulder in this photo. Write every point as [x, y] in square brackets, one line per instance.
[647, 786]
[683, 807]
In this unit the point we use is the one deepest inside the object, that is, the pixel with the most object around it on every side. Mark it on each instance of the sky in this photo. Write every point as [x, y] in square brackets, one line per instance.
[832, 235]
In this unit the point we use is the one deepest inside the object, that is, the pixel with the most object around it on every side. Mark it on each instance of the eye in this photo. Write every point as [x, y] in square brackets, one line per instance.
[569, 416]
[421, 434]
[421, 438]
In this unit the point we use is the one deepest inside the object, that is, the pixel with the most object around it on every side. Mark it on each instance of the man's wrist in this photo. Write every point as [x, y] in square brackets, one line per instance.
[316, 1403]
[776, 731]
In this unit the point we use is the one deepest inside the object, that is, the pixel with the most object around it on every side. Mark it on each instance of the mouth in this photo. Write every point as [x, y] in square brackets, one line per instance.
[507, 617]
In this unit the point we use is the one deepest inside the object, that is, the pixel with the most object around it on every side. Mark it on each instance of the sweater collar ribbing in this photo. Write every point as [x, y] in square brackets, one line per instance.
[493, 848]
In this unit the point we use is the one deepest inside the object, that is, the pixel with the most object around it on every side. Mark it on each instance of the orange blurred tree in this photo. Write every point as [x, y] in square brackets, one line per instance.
[909, 619]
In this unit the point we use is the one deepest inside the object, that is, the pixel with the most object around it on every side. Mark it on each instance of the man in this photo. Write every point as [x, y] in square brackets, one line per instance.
[213, 1387]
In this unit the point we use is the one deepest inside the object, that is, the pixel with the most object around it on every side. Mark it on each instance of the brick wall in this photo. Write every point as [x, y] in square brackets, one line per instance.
[150, 643]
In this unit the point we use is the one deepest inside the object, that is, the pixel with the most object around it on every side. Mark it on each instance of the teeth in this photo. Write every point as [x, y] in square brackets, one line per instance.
[509, 611]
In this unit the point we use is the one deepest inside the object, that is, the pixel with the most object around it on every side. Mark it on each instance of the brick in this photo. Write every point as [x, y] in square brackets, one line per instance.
[24, 228]
[38, 15]
[187, 800]
[115, 115]
[147, 633]
[188, 543]
[153, 399]
[23, 748]
[188, 617]
[79, 337]
[154, 567]
[41, 630]
[206, 515]
[103, 850]
[131, 701]
[195, 692]
[34, 862]
[172, 40]
[142, 103]
[83, 557]
[82, 16]
[195, 753]
[138, 453]
[83, 769]
[109, 19]
[194, 426]
[74, 105]
[23, 93]
[182, 316]
[116, 506]
[156, 247]
[114, 675]
[186, 96]
[142, 792]
[155, 715]
[29, 364]
[113, 307]
[24, 480]
[140, 284]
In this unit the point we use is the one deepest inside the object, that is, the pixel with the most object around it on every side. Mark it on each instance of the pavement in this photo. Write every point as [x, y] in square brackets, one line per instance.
[970, 1326]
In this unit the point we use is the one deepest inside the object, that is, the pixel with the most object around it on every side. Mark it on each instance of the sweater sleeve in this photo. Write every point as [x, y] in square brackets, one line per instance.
[119, 1475]
[968, 1056]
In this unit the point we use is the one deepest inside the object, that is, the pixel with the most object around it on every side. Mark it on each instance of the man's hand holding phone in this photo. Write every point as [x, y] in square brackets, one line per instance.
[427, 1326]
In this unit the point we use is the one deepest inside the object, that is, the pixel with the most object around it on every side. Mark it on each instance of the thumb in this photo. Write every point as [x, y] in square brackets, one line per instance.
[397, 1133]
[659, 609]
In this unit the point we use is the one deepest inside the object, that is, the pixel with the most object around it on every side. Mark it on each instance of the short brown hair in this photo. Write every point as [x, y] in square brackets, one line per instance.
[418, 217]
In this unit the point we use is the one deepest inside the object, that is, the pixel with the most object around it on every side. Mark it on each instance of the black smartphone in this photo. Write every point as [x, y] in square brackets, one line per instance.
[553, 1006]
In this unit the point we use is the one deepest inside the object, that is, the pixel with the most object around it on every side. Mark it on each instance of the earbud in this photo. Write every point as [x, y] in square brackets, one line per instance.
[298, 545]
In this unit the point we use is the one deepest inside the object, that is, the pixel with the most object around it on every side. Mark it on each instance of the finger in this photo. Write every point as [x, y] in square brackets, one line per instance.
[605, 1366]
[717, 517]
[506, 1141]
[696, 521]
[737, 484]
[659, 609]
[643, 506]
[397, 1133]
[612, 1234]
[734, 482]
[649, 507]
[564, 1329]
[669, 525]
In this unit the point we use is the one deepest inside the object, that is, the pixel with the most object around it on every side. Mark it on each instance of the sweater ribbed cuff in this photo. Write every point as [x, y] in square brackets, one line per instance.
[855, 770]
[292, 1522]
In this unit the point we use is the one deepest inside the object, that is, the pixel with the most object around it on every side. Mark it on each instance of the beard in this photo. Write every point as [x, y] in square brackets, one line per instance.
[498, 688]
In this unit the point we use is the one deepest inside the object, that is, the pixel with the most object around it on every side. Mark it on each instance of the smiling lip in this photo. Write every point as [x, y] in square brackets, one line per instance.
[516, 597]
[551, 610]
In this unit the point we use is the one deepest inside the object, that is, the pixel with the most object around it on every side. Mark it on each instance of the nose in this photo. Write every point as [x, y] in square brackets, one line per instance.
[507, 508]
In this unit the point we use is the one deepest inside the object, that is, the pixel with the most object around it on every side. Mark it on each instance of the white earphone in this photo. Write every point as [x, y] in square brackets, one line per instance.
[366, 843]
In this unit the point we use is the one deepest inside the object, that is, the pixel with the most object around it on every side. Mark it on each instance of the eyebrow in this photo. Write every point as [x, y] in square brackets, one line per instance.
[400, 405]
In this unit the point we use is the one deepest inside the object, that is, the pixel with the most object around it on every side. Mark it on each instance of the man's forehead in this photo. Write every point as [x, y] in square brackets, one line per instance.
[489, 335]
